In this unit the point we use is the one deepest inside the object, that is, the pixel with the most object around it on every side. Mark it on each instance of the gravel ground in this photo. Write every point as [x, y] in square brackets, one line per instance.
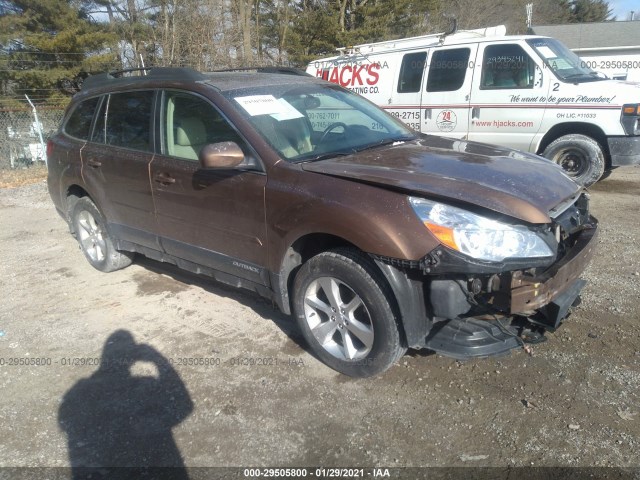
[218, 377]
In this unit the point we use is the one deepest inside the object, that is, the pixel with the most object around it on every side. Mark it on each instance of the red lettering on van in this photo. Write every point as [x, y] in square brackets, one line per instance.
[374, 76]
[333, 78]
[356, 75]
[352, 76]
[324, 74]
[343, 82]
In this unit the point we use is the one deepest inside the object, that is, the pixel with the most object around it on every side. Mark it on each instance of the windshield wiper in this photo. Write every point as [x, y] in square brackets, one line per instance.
[387, 141]
[324, 156]
[343, 153]
[587, 76]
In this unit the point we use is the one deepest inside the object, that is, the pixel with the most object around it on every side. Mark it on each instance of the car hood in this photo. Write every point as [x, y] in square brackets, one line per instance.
[506, 181]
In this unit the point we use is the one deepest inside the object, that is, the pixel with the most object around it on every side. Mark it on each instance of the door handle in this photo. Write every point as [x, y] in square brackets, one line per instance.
[94, 163]
[164, 179]
[475, 112]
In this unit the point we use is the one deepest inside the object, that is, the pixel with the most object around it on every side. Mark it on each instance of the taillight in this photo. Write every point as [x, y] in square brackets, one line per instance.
[49, 148]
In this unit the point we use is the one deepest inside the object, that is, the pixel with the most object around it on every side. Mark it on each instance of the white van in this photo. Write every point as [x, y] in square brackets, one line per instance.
[526, 92]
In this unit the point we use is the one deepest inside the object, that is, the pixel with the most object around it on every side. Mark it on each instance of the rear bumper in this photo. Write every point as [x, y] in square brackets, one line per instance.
[624, 151]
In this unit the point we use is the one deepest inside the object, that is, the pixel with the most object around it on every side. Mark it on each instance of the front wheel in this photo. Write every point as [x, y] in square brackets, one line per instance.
[94, 239]
[343, 308]
[580, 156]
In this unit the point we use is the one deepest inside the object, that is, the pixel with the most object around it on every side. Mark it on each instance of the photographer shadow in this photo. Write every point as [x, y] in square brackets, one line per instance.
[116, 419]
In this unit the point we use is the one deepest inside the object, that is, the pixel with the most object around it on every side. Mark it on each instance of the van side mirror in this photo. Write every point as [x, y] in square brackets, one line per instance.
[221, 155]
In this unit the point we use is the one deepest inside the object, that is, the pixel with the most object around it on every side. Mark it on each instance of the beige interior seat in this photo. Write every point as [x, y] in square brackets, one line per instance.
[191, 136]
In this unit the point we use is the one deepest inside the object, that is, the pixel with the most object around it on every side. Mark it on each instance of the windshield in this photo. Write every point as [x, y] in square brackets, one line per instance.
[566, 65]
[315, 121]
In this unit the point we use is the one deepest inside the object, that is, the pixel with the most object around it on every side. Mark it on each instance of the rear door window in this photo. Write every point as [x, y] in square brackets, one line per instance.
[125, 120]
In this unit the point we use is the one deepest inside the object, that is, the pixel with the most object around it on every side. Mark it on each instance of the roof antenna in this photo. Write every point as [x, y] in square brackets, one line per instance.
[451, 31]
[454, 27]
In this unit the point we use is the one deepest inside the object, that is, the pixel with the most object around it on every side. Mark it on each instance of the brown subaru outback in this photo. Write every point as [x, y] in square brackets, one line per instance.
[375, 237]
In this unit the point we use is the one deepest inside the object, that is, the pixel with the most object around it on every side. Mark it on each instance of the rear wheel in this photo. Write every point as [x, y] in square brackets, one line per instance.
[580, 156]
[94, 239]
[343, 308]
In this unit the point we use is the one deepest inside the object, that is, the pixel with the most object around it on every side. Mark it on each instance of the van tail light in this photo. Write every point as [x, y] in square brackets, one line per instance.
[49, 149]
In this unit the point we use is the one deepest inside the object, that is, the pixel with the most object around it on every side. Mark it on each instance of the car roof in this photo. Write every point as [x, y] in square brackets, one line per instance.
[221, 80]
[225, 81]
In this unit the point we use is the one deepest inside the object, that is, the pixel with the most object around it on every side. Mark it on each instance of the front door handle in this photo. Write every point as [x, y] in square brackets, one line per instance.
[475, 112]
[94, 163]
[164, 179]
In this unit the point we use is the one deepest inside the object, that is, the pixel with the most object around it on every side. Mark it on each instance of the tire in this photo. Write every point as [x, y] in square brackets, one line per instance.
[607, 173]
[344, 309]
[581, 157]
[94, 239]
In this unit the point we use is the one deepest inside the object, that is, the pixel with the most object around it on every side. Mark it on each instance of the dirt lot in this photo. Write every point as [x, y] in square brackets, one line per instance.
[247, 393]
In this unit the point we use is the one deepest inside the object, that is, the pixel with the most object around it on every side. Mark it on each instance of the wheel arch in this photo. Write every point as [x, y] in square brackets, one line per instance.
[312, 244]
[579, 128]
[301, 250]
[74, 192]
[96, 244]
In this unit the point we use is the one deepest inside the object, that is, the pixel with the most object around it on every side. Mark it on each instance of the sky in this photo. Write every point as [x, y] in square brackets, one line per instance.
[621, 8]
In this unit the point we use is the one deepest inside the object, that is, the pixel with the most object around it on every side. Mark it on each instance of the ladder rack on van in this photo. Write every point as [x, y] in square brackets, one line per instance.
[423, 40]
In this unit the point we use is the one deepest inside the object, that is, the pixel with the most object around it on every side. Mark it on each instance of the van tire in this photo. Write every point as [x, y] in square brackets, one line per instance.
[351, 278]
[581, 157]
[94, 238]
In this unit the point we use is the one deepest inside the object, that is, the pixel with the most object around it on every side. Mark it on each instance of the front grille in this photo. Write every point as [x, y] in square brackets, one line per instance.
[570, 220]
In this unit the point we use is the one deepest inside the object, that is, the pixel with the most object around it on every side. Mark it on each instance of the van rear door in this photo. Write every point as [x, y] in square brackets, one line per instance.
[508, 96]
[446, 95]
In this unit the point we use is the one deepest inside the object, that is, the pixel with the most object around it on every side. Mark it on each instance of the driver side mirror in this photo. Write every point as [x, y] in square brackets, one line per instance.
[221, 155]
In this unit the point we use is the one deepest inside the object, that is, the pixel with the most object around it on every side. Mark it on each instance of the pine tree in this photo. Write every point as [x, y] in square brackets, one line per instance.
[48, 46]
[314, 33]
[590, 11]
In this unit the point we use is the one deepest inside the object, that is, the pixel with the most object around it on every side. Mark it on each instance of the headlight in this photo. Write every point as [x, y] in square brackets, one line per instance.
[631, 118]
[476, 236]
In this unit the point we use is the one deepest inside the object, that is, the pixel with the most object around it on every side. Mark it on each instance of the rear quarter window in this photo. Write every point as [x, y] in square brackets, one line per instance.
[79, 123]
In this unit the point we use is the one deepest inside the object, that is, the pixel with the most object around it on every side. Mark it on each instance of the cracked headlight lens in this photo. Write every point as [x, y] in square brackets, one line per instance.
[478, 236]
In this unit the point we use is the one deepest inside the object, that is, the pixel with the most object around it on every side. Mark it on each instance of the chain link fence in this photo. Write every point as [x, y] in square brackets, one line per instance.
[19, 136]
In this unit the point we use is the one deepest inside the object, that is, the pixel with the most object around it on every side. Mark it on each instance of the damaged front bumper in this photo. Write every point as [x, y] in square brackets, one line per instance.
[467, 314]
[546, 298]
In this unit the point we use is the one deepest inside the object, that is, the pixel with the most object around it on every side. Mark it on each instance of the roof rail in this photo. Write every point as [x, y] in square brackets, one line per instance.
[162, 73]
[424, 40]
[281, 70]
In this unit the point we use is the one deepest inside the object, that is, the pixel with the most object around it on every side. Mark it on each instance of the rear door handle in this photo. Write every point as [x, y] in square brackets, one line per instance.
[164, 179]
[94, 163]
[475, 112]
